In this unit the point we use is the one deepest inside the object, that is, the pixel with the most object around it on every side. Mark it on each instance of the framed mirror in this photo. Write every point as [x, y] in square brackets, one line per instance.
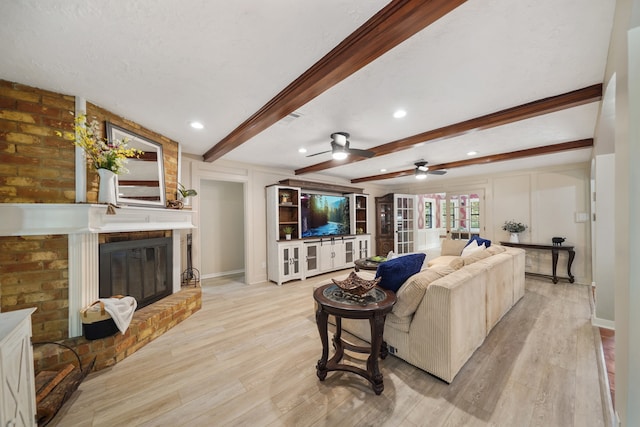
[144, 183]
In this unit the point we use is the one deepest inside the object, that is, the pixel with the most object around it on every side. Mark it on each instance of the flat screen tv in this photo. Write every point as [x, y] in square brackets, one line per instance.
[324, 215]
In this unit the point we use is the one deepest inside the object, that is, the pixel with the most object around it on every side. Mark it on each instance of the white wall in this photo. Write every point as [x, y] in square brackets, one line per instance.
[547, 200]
[604, 241]
[221, 228]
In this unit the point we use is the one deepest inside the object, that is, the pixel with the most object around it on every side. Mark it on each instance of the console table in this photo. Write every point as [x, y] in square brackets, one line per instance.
[554, 256]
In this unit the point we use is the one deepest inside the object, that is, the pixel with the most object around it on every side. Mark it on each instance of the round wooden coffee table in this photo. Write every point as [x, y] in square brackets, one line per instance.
[374, 306]
[365, 264]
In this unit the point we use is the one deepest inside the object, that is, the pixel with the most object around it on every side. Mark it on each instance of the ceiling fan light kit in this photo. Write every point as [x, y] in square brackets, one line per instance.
[340, 149]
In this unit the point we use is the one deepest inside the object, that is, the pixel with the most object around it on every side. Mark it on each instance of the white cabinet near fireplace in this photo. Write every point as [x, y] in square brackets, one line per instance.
[18, 390]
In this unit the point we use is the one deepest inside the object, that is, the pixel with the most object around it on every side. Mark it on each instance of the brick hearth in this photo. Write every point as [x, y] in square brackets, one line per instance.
[148, 323]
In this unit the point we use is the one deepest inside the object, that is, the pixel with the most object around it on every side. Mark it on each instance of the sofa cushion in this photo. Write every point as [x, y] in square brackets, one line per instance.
[481, 241]
[395, 272]
[496, 249]
[452, 247]
[442, 260]
[476, 256]
[396, 322]
[472, 248]
[412, 291]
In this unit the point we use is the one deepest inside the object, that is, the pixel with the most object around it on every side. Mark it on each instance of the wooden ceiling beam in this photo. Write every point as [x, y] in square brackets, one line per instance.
[392, 25]
[537, 151]
[510, 115]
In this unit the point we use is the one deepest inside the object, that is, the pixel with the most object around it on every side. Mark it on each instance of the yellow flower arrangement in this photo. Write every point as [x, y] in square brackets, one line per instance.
[102, 153]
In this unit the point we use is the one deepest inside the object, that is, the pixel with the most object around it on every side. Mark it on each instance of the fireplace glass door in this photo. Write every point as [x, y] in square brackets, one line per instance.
[138, 268]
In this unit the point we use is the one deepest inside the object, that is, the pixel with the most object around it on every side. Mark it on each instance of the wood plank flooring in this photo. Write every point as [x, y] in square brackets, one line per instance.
[248, 359]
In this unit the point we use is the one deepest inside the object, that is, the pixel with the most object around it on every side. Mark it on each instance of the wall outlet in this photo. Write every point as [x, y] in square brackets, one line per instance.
[264, 264]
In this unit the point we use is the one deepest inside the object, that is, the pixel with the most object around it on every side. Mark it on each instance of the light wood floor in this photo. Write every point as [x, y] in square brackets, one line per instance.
[248, 359]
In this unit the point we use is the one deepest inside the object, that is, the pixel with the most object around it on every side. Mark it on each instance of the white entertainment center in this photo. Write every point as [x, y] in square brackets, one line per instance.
[305, 254]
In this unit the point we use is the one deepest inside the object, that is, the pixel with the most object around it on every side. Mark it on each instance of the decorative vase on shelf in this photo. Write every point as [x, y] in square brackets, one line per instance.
[287, 236]
[514, 238]
[107, 186]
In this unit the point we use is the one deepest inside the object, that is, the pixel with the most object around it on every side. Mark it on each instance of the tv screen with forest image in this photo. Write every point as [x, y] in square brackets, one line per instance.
[324, 215]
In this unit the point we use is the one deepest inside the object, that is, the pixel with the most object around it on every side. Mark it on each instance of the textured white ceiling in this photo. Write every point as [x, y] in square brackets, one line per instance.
[165, 63]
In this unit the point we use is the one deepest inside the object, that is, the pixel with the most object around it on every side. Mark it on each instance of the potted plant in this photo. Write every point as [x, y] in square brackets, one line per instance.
[287, 232]
[514, 228]
[186, 194]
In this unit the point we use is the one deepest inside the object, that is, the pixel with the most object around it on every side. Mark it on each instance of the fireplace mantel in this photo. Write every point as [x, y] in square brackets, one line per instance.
[29, 219]
[83, 223]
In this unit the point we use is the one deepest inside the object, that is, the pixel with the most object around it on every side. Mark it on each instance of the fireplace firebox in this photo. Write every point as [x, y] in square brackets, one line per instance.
[139, 268]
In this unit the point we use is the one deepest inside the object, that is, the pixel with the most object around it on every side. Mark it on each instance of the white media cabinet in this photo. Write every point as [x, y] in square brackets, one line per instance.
[299, 257]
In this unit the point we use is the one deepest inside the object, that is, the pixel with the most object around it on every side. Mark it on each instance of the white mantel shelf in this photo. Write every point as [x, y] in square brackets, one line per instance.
[32, 219]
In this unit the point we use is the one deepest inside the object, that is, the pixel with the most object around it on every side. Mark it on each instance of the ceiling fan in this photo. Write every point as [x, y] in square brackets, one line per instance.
[422, 170]
[340, 148]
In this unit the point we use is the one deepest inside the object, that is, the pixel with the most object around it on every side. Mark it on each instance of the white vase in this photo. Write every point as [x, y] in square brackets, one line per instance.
[107, 187]
[514, 238]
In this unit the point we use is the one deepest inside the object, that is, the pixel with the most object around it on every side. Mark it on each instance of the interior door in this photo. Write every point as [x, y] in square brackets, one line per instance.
[404, 207]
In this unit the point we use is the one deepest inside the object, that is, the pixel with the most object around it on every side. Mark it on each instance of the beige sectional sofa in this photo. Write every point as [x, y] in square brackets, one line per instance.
[444, 312]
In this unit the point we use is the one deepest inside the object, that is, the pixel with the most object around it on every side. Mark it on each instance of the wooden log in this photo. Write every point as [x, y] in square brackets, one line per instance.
[43, 378]
[51, 404]
[54, 382]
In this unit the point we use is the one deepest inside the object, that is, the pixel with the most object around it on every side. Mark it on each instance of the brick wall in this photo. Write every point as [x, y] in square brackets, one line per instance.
[147, 324]
[34, 273]
[37, 166]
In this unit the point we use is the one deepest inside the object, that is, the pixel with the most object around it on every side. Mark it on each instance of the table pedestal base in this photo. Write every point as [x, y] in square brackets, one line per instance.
[377, 349]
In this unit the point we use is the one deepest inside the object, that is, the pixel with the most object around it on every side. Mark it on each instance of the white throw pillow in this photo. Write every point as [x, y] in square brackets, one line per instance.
[471, 248]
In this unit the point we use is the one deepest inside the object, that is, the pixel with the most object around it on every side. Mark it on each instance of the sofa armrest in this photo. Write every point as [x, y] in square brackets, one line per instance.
[449, 324]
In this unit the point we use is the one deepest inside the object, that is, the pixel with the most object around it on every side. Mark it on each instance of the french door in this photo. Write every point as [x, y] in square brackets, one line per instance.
[405, 223]
[462, 214]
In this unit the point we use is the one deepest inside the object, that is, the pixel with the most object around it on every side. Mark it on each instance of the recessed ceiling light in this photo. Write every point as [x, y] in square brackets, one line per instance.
[472, 153]
[197, 125]
[399, 114]
[302, 150]
[383, 170]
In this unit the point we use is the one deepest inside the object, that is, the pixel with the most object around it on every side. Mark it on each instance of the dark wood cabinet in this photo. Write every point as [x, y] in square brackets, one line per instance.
[384, 224]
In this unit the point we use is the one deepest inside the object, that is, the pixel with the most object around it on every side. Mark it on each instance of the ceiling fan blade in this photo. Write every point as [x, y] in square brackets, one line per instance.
[437, 172]
[317, 154]
[362, 153]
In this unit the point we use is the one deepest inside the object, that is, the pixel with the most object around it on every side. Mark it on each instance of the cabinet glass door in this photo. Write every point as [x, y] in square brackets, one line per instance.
[312, 257]
[349, 250]
[404, 206]
[363, 249]
[290, 261]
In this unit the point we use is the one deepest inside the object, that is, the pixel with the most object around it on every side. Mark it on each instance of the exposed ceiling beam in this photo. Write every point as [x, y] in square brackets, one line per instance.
[392, 25]
[538, 151]
[510, 115]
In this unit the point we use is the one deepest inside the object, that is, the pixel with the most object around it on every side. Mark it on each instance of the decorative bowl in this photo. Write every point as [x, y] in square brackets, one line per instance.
[356, 285]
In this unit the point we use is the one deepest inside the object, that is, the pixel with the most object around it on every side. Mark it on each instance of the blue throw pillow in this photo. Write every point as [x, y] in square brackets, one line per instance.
[396, 271]
[480, 241]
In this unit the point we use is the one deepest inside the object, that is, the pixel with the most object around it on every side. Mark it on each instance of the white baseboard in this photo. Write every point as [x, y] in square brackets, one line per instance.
[603, 323]
[221, 274]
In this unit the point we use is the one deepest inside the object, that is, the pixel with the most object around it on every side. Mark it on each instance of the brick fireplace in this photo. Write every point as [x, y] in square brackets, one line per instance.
[50, 232]
[84, 226]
